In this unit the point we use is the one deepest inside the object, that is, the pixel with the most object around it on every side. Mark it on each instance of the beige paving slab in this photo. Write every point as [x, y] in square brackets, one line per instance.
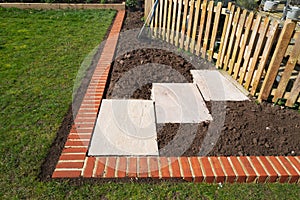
[215, 87]
[125, 127]
[179, 103]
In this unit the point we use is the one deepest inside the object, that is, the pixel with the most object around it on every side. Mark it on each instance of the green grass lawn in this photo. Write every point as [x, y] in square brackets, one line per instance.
[40, 54]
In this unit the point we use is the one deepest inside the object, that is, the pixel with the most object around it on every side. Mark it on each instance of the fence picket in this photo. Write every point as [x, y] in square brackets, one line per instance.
[243, 45]
[160, 6]
[281, 47]
[288, 69]
[169, 20]
[258, 47]
[165, 19]
[178, 22]
[214, 31]
[195, 26]
[186, 6]
[232, 37]
[239, 32]
[294, 92]
[190, 22]
[227, 34]
[266, 52]
[173, 22]
[201, 26]
[210, 10]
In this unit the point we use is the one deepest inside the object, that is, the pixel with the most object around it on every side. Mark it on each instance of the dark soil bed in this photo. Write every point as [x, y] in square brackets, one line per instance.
[248, 129]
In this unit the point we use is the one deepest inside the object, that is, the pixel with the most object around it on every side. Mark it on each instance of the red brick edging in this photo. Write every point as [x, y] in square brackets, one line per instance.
[74, 161]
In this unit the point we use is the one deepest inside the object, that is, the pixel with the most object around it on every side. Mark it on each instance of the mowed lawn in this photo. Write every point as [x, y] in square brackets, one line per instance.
[40, 55]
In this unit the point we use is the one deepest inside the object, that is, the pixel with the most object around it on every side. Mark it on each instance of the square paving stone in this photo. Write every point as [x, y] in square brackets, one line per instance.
[179, 103]
[125, 127]
[215, 87]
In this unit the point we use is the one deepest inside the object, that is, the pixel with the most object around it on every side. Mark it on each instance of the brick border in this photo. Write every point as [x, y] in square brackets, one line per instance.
[74, 162]
[50, 6]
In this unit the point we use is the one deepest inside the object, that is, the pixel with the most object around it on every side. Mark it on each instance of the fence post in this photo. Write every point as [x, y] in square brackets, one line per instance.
[281, 47]
[147, 9]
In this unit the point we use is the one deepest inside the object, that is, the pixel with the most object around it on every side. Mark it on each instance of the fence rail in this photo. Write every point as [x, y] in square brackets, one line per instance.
[259, 52]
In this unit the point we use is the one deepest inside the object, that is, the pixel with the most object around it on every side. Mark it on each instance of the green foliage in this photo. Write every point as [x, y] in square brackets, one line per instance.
[103, 1]
[248, 4]
[131, 3]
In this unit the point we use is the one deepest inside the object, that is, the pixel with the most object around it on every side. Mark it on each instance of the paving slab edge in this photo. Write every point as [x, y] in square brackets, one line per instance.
[74, 162]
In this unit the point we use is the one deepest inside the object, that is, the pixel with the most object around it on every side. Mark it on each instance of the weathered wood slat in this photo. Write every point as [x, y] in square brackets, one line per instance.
[183, 28]
[173, 32]
[276, 60]
[165, 19]
[288, 69]
[226, 38]
[160, 6]
[201, 26]
[232, 37]
[266, 52]
[210, 10]
[249, 49]
[243, 45]
[294, 92]
[178, 22]
[239, 32]
[214, 31]
[195, 26]
[190, 22]
[257, 51]
[169, 21]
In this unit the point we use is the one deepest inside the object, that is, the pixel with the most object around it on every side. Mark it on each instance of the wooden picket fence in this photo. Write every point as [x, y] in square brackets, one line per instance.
[259, 52]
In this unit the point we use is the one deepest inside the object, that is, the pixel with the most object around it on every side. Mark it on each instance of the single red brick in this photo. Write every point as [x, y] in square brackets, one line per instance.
[89, 116]
[262, 174]
[294, 176]
[122, 167]
[72, 157]
[78, 165]
[66, 174]
[196, 169]
[230, 175]
[74, 150]
[272, 174]
[101, 162]
[153, 165]
[235, 164]
[220, 175]
[283, 175]
[111, 167]
[295, 162]
[175, 167]
[186, 169]
[86, 126]
[251, 174]
[81, 131]
[143, 167]
[132, 169]
[207, 170]
[164, 167]
[79, 136]
[89, 167]
[84, 121]
[77, 143]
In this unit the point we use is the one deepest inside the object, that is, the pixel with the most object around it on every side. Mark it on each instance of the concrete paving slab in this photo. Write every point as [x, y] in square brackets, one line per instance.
[125, 127]
[215, 87]
[179, 103]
